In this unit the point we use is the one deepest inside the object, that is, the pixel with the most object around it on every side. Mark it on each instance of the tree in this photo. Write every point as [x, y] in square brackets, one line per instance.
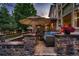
[12, 23]
[7, 22]
[23, 10]
[4, 18]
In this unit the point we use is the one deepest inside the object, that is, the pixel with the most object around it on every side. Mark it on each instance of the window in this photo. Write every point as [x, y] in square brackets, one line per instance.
[78, 22]
[67, 19]
[59, 14]
[77, 19]
[59, 22]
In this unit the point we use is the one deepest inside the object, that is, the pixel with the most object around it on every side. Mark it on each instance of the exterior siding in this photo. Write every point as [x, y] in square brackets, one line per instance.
[65, 9]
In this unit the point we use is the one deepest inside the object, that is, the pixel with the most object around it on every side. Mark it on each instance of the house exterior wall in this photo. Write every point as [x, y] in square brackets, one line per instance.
[66, 12]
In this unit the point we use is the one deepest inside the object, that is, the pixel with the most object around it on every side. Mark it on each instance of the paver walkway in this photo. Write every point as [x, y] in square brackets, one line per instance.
[42, 50]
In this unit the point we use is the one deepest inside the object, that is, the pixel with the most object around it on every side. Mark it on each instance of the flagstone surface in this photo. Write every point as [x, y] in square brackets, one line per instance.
[42, 50]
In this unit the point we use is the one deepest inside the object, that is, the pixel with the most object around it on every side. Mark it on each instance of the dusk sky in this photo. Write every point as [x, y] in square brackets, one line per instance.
[42, 8]
[10, 7]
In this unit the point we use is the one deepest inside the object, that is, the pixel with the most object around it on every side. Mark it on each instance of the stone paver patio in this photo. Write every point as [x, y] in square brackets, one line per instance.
[42, 50]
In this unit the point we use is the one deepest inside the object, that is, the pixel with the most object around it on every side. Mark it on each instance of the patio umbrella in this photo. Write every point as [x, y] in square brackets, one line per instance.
[35, 20]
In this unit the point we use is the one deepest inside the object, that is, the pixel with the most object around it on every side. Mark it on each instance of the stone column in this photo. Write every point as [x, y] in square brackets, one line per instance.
[73, 17]
[57, 16]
